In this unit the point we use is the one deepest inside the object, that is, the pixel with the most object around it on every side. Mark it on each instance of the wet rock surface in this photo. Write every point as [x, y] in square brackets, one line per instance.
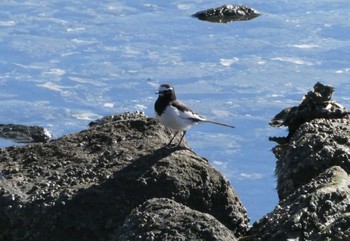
[84, 186]
[227, 13]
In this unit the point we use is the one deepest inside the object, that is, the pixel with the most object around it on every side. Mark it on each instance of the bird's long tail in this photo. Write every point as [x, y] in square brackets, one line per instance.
[218, 123]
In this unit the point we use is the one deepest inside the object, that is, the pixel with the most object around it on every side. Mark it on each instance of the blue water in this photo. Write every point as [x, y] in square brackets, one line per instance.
[65, 63]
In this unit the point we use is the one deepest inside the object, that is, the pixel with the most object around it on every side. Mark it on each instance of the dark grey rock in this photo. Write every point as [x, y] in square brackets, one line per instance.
[164, 219]
[316, 211]
[315, 104]
[24, 133]
[83, 186]
[227, 13]
[314, 147]
[119, 117]
[318, 139]
[313, 166]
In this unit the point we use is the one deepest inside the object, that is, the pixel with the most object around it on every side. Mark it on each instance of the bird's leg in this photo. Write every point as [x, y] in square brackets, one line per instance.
[183, 135]
[172, 138]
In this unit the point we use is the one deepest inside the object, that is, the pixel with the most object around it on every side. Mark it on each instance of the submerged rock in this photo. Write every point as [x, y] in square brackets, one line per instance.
[84, 186]
[24, 134]
[227, 13]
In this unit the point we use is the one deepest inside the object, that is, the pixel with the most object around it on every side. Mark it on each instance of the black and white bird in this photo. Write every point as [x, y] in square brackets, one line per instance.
[174, 114]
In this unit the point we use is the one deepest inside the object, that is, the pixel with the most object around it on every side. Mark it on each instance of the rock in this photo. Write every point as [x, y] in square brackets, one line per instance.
[165, 219]
[313, 166]
[24, 134]
[314, 147]
[119, 117]
[316, 211]
[83, 186]
[227, 13]
[318, 139]
[315, 104]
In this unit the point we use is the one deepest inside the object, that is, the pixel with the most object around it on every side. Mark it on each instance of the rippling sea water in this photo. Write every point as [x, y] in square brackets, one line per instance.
[65, 63]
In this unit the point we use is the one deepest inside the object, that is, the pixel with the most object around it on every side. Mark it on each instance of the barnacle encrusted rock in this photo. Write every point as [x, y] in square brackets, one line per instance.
[83, 186]
[316, 211]
[166, 219]
[313, 166]
[314, 147]
[315, 104]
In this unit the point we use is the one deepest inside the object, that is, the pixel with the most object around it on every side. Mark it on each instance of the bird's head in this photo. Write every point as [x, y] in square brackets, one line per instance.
[166, 91]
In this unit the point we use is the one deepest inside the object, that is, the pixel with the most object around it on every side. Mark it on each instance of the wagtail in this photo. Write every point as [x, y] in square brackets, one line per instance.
[175, 115]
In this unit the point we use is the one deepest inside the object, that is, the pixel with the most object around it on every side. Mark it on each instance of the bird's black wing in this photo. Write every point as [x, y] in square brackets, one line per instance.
[186, 112]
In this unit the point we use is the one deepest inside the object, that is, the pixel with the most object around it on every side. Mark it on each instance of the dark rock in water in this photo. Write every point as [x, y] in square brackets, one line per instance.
[84, 186]
[227, 13]
[165, 219]
[24, 134]
[315, 104]
[316, 211]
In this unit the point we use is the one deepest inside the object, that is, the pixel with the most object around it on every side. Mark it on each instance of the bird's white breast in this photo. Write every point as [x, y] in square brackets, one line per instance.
[177, 120]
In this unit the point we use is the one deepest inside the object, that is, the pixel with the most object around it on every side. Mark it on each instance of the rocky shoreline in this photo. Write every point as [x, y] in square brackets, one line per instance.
[90, 185]
[117, 181]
